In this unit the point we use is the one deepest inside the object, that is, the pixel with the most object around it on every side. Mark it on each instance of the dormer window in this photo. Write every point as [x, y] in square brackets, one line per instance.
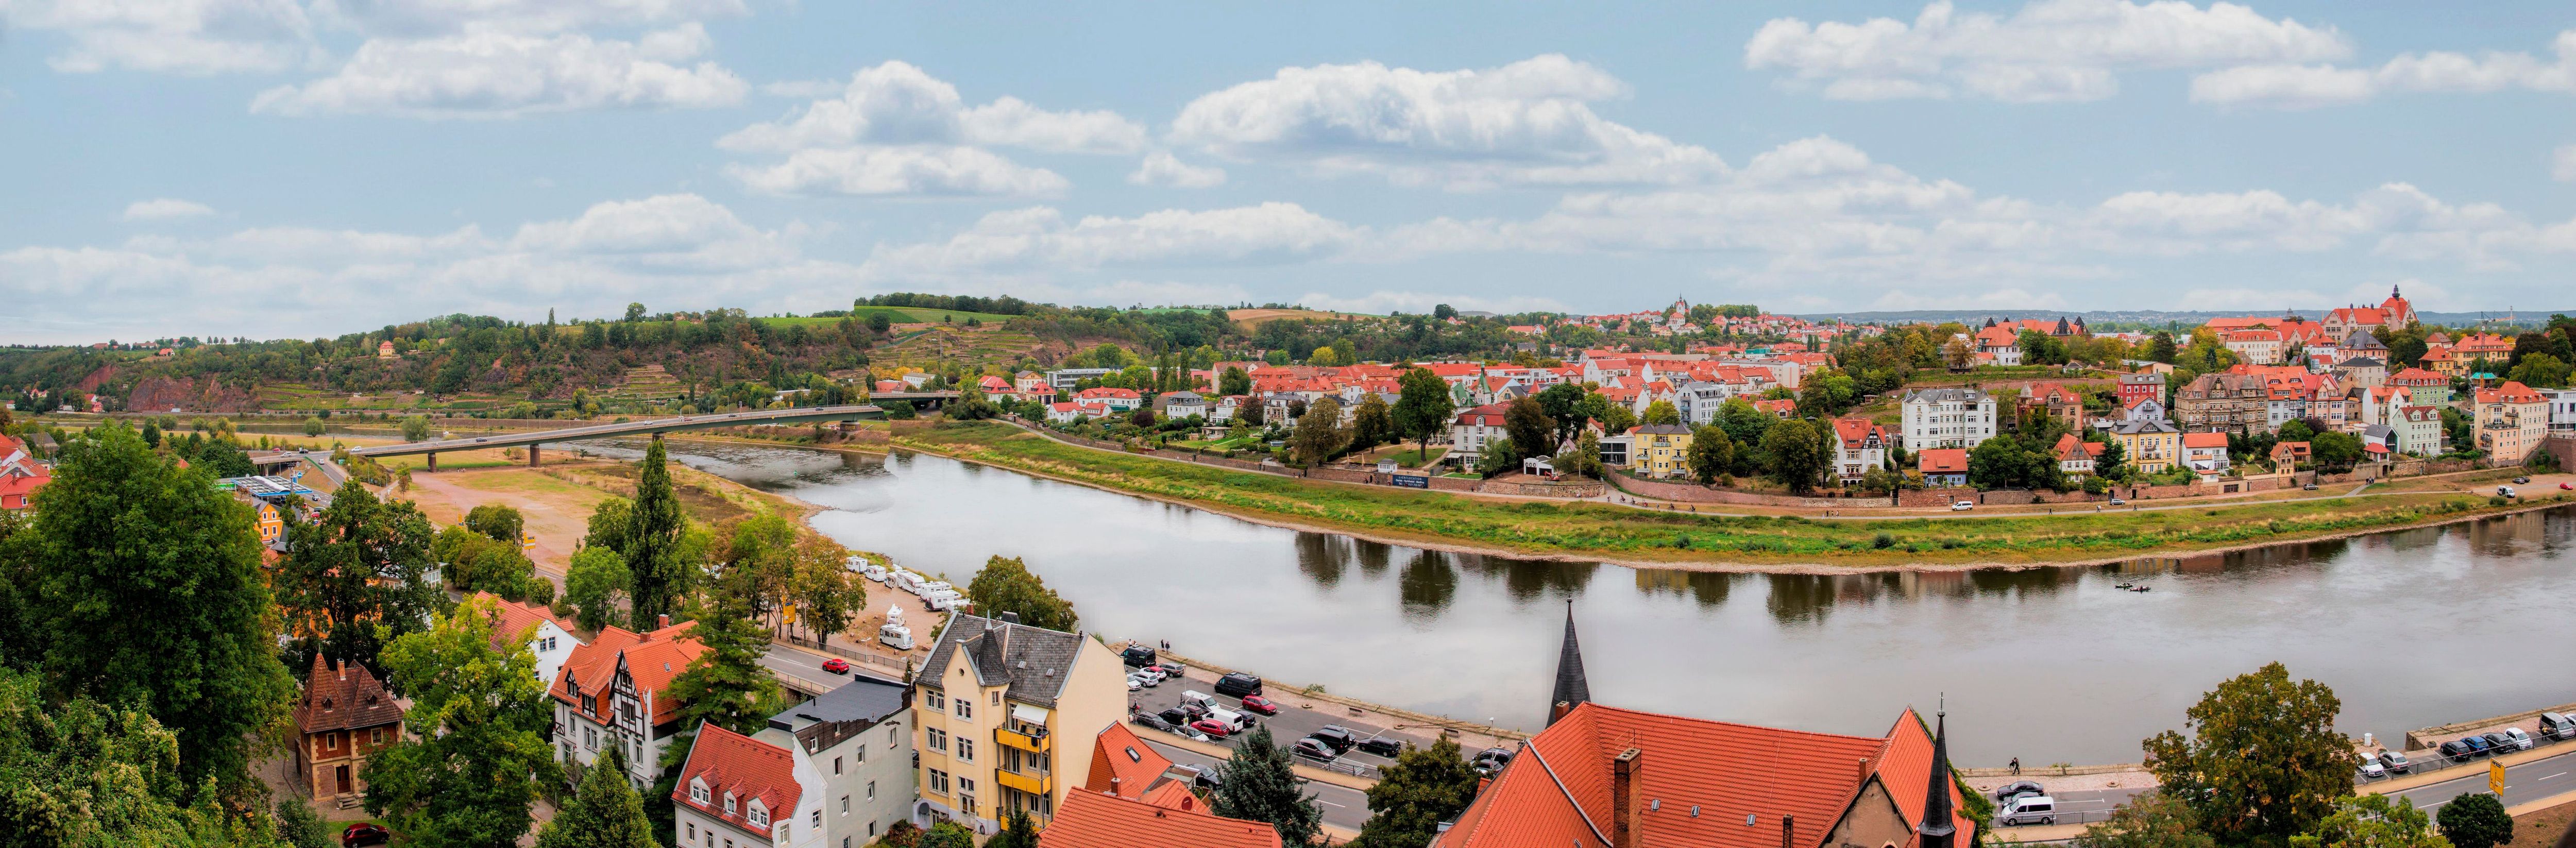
[759, 814]
[698, 790]
[728, 803]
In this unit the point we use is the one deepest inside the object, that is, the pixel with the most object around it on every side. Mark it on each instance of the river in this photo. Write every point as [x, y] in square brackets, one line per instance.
[2411, 628]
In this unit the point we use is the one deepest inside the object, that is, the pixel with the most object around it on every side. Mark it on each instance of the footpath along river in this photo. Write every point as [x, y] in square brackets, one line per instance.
[2411, 629]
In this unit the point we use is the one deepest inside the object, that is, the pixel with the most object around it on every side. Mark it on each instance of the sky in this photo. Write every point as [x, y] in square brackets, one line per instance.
[300, 168]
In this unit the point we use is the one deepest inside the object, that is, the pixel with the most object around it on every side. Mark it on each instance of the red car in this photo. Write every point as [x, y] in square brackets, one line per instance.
[2565, 486]
[1213, 728]
[364, 833]
[1258, 704]
[837, 665]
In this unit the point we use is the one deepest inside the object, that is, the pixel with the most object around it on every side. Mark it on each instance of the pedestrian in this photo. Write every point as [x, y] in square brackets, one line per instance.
[2016, 765]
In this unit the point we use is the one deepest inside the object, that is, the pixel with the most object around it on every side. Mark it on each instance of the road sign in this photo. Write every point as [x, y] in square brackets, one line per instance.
[2495, 778]
[1411, 481]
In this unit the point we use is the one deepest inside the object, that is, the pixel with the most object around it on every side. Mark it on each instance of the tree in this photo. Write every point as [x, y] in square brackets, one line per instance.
[415, 428]
[1141, 416]
[1614, 418]
[1422, 407]
[1660, 412]
[1325, 357]
[1529, 427]
[1233, 382]
[2375, 821]
[947, 834]
[299, 827]
[1583, 458]
[1371, 424]
[1744, 423]
[607, 525]
[593, 583]
[1563, 403]
[1319, 433]
[2160, 347]
[1425, 786]
[759, 563]
[1007, 585]
[2334, 449]
[1799, 454]
[878, 322]
[80, 773]
[2112, 463]
[2541, 370]
[2151, 819]
[1018, 831]
[313, 426]
[2264, 762]
[500, 522]
[149, 580]
[474, 756]
[826, 595]
[1712, 454]
[1498, 456]
[652, 545]
[1259, 784]
[2476, 820]
[356, 577]
[604, 813]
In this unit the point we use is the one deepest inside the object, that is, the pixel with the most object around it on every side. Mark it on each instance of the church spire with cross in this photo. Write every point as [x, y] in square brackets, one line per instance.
[1571, 687]
[1937, 827]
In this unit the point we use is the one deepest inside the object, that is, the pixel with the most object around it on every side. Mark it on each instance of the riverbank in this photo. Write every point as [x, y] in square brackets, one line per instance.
[1585, 531]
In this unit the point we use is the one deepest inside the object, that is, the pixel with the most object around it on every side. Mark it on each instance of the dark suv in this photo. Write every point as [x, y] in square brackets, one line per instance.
[1238, 685]
[1138, 655]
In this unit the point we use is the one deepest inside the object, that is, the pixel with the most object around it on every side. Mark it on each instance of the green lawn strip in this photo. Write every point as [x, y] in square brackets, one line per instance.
[1588, 528]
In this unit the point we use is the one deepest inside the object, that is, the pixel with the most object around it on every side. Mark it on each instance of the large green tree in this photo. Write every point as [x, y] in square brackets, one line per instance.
[1371, 424]
[1712, 454]
[2476, 820]
[1233, 382]
[355, 577]
[1319, 435]
[502, 523]
[1529, 427]
[1424, 787]
[593, 583]
[2263, 762]
[824, 593]
[652, 547]
[1798, 453]
[148, 580]
[80, 773]
[604, 813]
[2376, 821]
[2151, 819]
[1007, 585]
[1422, 407]
[474, 756]
[1259, 784]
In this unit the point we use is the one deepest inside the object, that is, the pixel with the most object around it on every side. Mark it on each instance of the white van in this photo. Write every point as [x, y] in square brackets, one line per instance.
[2028, 809]
[895, 636]
[1235, 722]
[1199, 698]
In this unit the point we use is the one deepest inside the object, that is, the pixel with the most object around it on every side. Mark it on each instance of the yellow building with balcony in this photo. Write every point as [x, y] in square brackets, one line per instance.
[994, 700]
[1661, 451]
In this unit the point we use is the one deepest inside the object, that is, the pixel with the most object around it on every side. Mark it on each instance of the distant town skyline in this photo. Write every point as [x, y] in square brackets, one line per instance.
[312, 167]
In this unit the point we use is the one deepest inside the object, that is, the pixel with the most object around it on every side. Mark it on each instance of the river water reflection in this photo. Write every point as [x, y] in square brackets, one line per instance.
[2048, 664]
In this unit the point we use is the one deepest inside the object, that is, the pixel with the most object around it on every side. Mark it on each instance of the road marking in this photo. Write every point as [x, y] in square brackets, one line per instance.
[2560, 774]
[1327, 803]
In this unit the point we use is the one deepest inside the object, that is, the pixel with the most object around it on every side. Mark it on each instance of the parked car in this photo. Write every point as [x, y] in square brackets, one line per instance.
[1134, 684]
[1169, 668]
[2511, 739]
[2370, 770]
[2459, 750]
[1235, 722]
[2504, 491]
[2309, 487]
[1258, 704]
[2395, 762]
[364, 833]
[1151, 672]
[1143, 680]
[2119, 502]
[1213, 727]
[1197, 700]
[1382, 746]
[1491, 760]
[2566, 486]
[2027, 809]
[1190, 733]
[1962, 506]
[2522, 481]
[1238, 685]
[1177, 716]
[1152, 721]
[1341, 738]
[837, 665]
[2017, 789]
[2478, 745]
[1314, 749]
[2557, 726]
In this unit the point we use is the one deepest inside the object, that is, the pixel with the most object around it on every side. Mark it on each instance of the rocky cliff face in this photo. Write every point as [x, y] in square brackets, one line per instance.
[161, 394]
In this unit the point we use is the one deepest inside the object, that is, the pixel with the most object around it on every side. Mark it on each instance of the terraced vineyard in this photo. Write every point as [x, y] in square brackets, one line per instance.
[931, 347]
[646, 385]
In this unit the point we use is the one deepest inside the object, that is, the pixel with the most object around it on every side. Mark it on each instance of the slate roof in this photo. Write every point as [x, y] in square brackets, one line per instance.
[1033, 660]
[866, 698]
[1572, 687]
[1093, 820]
[343, 698]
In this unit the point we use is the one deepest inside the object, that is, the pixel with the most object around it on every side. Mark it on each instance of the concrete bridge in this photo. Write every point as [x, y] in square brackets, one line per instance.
[920, 400]
[532, 439]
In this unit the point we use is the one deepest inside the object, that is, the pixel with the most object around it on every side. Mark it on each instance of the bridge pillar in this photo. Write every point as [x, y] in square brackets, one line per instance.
[532, 456]
[433, 462]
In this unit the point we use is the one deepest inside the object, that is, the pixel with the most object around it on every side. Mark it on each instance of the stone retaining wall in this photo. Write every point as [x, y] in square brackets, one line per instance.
[1695, 493]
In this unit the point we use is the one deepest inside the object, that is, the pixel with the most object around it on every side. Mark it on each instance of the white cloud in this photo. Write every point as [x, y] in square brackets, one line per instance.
[2562, 163]
[165, 208]
[1526, 122]
[2396, 220]
[2008, 298]
[894, 129]
[2292, 86]
[173, 36]
[1161, 168]
[489, 74]
[416, 18]
[1165, 293]
[1041, 238]
[1384, 302]
[2050, 50]
[802, 89]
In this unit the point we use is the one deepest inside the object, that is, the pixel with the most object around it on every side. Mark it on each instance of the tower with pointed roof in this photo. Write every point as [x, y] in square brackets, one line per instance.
[1571, 687]
[1936, 829]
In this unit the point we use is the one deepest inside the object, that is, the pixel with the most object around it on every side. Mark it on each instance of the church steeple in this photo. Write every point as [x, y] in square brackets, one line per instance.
[1571, 687]
[1937, 829]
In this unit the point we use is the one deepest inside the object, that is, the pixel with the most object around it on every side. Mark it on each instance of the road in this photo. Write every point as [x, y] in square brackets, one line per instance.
[2531, 781]
[627, 428]
[1343, 806]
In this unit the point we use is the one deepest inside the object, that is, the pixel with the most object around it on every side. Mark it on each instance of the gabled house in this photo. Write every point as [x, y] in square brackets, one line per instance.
[847, 775]
[1130, 801]
[343, 715]
[741, 790]
[993, 698]
[1859, 445]
[611, 692]
[1942, 466]
[1117, 399]
[1472, 430]
[549, 637]
[2206, 453]
[2077, 456]
[20, 474]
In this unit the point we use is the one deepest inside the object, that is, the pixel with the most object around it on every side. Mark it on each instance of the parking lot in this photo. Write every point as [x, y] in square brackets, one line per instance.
[1296, 718]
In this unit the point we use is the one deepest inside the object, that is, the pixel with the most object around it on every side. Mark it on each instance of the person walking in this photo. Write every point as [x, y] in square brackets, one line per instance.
[2016, 765]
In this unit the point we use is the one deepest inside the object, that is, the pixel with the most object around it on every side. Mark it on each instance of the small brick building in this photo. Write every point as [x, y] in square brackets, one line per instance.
[344, 715]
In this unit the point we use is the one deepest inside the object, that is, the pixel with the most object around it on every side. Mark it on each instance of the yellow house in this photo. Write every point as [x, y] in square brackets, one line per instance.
[1661, 451]
[271, 527]
[2151, 446]
[994, 699]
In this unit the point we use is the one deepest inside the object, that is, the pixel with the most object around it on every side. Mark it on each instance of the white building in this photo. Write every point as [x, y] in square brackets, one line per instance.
[1859, 446]
[547, 636]
[1472, 430]
[609, 693]
[848, 754]
[1947, 418]
[2562, 410]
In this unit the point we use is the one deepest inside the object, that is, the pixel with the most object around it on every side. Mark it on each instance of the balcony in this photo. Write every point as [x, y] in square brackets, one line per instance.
[1032, 784]
[1036, 742]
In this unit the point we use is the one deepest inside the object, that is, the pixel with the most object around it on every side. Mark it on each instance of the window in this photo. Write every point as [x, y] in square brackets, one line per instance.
[966, 749]
[872, 795]
[590, 739]
[936, 701]
[759, 815]
[997, 697]
[818, 817]
[845, 805]
[966, 786]
[966, 710]
[331, 742]
[891, 738]
[376, 736]
[728, 803]
[938, 739]
[939, 781]
[863, 750]
[693, 831]
[836, 765]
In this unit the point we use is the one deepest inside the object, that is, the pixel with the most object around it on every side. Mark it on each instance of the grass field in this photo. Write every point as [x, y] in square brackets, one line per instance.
[1600, 529]
[899, 315]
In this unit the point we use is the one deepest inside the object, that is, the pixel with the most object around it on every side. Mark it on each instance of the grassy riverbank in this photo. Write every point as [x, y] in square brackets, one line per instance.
[1543, 528]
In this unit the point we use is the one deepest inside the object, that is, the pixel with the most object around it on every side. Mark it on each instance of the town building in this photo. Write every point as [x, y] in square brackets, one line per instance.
[1472, 430]
[2206, 453]
[2144, 385]
[1181, 405]
[1660, 451]
[1859, 445]
[2394, 313]
[20, 474]
[2511, 420]
[992, 699]
[1064, 378]
[343, 716]
[1117, 399]
[2224, 403]
[1946, 418]
[831, 772]
[2260, 346]
[2423, 388]
[2562, 411]
[738, 790]
[2076, 456]
[2054, 400]
[1998, 344]
[612, 693]
[2150, 444]
[1131, 801]
[2418, 430]
[1942, 466]
[549, 637]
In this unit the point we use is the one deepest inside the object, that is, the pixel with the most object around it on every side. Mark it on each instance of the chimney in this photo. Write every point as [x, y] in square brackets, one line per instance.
[1558, 711]
[1860, 771]
[1623, 799]
[1009, 617]
[662, 621]
[1788, 831]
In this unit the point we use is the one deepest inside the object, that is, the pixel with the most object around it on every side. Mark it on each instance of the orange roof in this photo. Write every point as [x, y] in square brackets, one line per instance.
[1855, 431]
[343, 698]
[518, 617]
[1122, 764]
[1708, 776]
[748, 768]
[2204, 440]
[2513, 391]
[652, 659]
[1095, 820]
[1942, 460]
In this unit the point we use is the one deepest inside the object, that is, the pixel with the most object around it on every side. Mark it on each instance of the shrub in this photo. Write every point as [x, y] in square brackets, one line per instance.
[1883, 541]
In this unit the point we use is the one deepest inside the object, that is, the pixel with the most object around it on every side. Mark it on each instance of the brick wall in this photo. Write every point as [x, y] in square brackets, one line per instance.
[1695, 493]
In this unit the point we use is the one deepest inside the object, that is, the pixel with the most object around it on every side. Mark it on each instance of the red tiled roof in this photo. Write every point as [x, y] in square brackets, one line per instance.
[1094, 820]
[518, 617]
[1942, 460]
[748, 768]
[2204, 440]
[652, 659]
[1118, 755]
[2510, 392]
[1855, 431]
[343, 698]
